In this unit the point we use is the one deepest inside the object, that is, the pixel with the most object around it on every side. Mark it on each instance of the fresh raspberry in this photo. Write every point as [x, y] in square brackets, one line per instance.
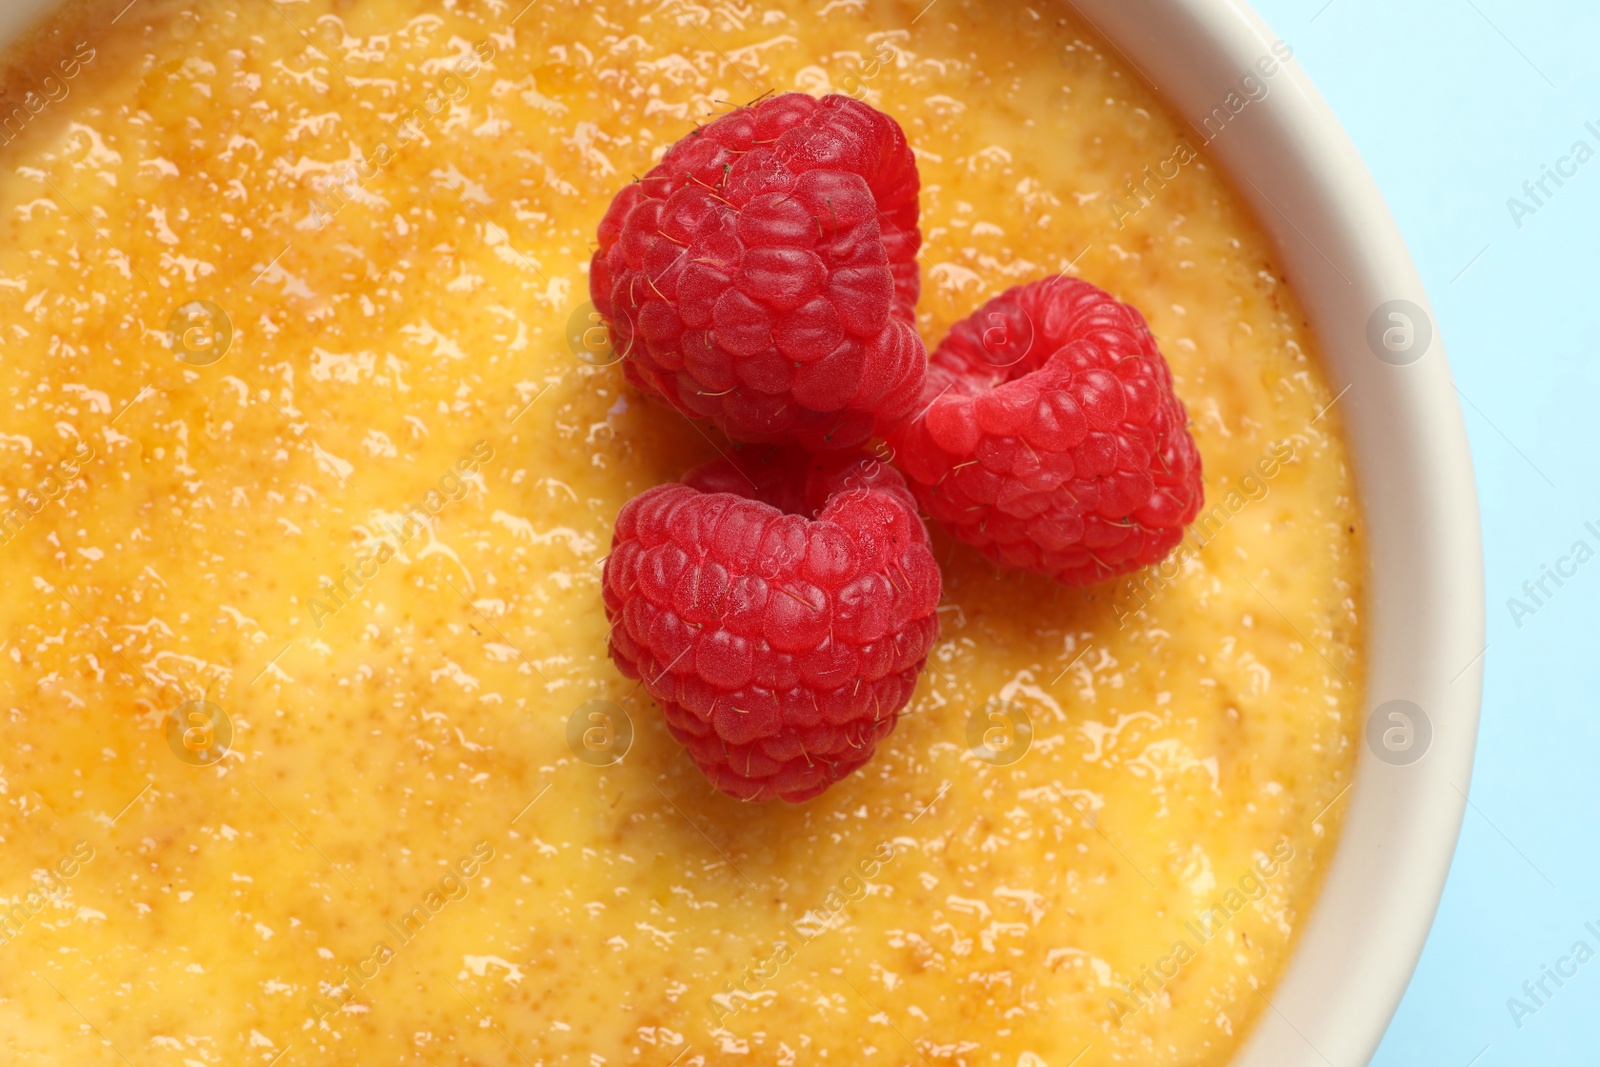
[779, 611]
[764, 274]
[1050, 437]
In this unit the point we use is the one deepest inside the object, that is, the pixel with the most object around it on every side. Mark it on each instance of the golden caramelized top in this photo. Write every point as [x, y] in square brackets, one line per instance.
[305, 493]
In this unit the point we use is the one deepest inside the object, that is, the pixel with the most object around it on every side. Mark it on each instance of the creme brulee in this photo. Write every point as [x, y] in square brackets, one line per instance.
[304, 494]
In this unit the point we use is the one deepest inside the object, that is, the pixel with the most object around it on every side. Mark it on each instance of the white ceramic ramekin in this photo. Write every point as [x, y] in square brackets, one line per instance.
[1292, 162]
[18, 15]
[1334, 237]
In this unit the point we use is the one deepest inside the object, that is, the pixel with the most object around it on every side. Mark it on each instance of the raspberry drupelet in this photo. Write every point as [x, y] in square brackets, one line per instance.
[779, 611]
[1050, 437]
[763, 274]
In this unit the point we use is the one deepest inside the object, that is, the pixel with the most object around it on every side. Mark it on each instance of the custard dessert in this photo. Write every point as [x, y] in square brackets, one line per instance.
[310, 456]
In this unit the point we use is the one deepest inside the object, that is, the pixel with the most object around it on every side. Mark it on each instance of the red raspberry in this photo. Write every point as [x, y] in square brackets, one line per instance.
[779, 611]
[764, 274]
[1050, 437]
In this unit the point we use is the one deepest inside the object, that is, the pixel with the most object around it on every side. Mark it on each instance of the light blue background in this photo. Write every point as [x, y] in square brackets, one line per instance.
[1454, 106]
